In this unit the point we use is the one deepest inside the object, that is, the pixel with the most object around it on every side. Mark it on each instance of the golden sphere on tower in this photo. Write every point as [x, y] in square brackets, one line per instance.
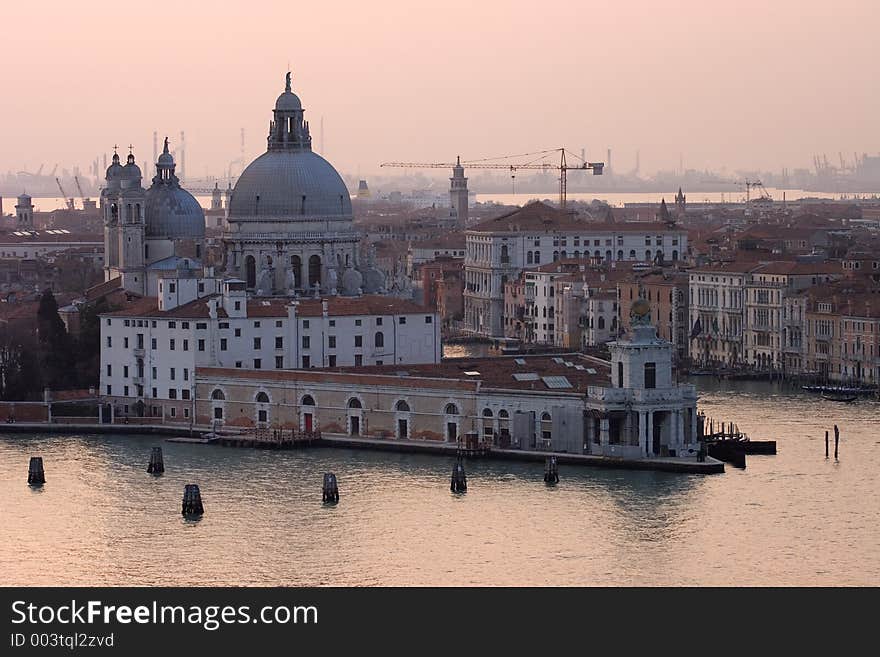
[640, 308]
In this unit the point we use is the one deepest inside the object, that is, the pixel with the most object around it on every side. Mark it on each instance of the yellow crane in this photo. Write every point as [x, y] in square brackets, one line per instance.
[537, 160]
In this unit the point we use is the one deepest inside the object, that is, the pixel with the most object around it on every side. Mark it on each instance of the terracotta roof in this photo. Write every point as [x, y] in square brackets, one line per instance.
[447, 241]
[492, 372]
[538, 216]
[372, 304]
[102, 289]
[798, 268]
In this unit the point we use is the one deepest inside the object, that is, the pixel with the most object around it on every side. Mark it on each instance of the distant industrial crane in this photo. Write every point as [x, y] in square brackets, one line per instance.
[68, 200]
[79, 187]
[537, 161]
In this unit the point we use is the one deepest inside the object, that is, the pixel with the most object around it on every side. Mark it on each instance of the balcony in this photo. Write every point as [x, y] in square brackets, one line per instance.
[139, 352]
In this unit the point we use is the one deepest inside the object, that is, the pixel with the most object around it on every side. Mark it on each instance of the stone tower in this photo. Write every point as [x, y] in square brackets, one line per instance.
[24, 213]
[122, 205]
[458, 195]
[680, 203]
[216, 199]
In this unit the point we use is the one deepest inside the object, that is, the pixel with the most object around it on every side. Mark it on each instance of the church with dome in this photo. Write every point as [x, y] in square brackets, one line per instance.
[148, 232]
[289, 225]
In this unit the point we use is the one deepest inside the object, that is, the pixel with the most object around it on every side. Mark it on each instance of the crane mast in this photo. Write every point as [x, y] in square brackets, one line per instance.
[68, 200]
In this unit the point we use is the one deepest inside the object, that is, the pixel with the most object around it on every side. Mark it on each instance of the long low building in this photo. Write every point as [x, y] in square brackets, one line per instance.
[571, 403]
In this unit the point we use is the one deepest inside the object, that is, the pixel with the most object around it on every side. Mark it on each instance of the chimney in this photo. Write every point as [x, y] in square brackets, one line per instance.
[212, 308]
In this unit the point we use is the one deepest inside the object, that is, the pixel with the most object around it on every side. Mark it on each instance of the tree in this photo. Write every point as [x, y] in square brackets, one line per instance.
[57, 358]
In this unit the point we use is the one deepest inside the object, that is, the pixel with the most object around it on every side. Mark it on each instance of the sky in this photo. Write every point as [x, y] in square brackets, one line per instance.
[755, 85]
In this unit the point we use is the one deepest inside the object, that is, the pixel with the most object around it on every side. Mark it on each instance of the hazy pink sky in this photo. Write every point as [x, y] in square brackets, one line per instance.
[750, 84]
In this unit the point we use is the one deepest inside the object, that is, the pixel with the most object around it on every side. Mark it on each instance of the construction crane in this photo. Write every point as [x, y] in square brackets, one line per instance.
[537, 161]
[68, 200]
[79, 187]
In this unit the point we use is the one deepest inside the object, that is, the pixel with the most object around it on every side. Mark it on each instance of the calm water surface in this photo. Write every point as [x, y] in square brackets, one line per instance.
[794, 518]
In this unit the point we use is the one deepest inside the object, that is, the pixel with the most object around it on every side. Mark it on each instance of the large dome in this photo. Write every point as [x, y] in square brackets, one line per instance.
[289, 183]
[172, 212]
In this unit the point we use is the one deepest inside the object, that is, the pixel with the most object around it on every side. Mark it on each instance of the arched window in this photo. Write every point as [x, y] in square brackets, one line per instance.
[218, 395]
[451, 409]
[503, 415]
[401, 407]
[137, 211]
[354, 402]
[314, 270]
[529, 258]
[632, 254]
[597, 254]
[675, 255]
[262, 398]
[608, 255]
[620, 254]
[487, 412]
[504, 252]
[250, 271]
[563, 255]
[488, 425]
[601, 322]
[648, 255]
[307, 400]
[546, 428]
[379, 340]
[555, 256]
[537, 257]
[296, 266]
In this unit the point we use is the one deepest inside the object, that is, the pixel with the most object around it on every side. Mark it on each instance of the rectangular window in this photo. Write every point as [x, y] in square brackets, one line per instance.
[173, 371]
[279, 342]
[125, 342]
[185, 412]
[331, 361]
[258, 363]
[238, 332]
[428, 319]
[154, 372]
[223, 344]
[224, 325]
[109, 321]
[357, 322]
[258, 343]
[306, 341]
[332, 322]
[155, 393]
[109, 369]
[331, 342]
[172, 393]
[201, 345]
[238, 305]
[256, 324]
[379, 362]
[358, 341]
[305, 323]
[153, 323]
[401, 320]
[184, 325]
[186, 374]
[126, 323]
[186, 345]
[278, 323]
[201, 325]
[650, 375]
[358, 360]
[238, 364]
[172, 287]
[125, 371]
[173, 412]
[172, 325]
[153, 344]
[140, 340]
[279, 362]
[171, 344]
[184, 394]
[378, 321]
[307, 362]
[125, 391]
[109, 390]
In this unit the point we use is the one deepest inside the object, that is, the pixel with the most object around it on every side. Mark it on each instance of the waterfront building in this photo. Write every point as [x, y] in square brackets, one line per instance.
[35, 244]
[569, 403]
[764, 326]
[148, 231]
[151, 348]
[500, 248]
[716, 307]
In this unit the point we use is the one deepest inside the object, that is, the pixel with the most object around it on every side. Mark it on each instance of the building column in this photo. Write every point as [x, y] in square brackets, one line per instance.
[643, 432]
[693, 425]
[603, 432]
[649, 429]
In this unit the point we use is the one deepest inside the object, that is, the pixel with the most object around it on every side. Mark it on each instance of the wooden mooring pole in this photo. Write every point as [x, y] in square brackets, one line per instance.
[836, 440]
[826, 444]
[36, 476]
[330, 488]
[459, 478]
[551, 470]
[192, 501]
[157, 462]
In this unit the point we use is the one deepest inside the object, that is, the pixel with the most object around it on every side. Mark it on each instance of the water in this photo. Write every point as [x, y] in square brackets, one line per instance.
[793, 518]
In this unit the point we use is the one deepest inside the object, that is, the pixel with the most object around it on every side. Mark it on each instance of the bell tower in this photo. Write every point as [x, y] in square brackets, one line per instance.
[24, 213]
[458, 195]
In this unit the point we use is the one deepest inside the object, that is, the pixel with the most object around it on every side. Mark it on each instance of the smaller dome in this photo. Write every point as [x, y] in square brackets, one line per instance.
[115, 169]
[288, 102]
[131, 170]
[640, 308]
[24, 198]
[166, 158]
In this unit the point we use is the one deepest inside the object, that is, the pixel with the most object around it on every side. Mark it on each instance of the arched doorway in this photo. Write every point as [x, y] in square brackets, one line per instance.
[308, 413]
[402, 416]
[314, 270]
[452, 420]
[250, 271]
[355, 417]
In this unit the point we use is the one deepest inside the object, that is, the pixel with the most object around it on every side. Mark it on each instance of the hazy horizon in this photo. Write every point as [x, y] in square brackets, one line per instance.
[746, 85]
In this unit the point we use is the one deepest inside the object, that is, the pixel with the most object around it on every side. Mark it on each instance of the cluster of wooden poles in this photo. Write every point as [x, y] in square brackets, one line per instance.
[836, 442]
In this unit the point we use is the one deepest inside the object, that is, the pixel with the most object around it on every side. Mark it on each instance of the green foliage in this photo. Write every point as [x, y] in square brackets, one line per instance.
[57, 358]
